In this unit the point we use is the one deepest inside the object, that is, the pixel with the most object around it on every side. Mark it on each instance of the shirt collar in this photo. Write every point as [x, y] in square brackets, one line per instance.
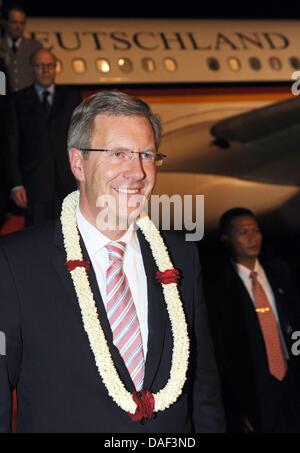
[95, 240]
[39, 89]
[245, 272]
[10, 41]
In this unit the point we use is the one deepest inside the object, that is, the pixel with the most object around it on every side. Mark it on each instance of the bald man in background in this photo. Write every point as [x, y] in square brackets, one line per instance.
[39, 171]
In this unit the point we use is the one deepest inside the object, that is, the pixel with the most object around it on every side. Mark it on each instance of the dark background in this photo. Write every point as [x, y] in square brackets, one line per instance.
[161, 8]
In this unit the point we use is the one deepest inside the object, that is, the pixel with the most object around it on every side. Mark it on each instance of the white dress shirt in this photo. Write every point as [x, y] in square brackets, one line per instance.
[133, 266]
[245, 275]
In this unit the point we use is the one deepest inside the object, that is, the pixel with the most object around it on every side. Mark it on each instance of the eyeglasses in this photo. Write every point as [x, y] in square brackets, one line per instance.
[118, 156]
[45, 66]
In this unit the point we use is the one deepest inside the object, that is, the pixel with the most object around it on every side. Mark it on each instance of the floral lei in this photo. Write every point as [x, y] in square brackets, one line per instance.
[137, 404]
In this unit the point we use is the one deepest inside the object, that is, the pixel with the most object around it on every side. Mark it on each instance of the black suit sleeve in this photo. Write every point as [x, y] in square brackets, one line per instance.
[208, 415]
[11, 344]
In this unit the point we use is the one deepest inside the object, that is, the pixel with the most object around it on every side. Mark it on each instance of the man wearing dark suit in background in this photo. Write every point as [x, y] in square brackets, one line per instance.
[40, 174]
[253, 310]
[66, 377]
[17, 50]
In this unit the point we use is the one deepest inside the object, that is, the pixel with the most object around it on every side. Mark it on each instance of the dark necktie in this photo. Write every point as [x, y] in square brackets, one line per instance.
[14, 47]
[276, 358]
[45, 102]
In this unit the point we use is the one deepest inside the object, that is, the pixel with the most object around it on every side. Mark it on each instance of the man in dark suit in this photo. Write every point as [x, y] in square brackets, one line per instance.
[40, 174]
[253, 311]
[17, 50]
[96, 349]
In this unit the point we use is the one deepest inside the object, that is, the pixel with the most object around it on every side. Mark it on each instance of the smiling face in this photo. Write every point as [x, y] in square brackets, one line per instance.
[123, 182]
[244, 240]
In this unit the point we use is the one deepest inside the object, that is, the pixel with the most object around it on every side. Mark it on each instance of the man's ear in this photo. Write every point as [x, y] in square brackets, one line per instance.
[76, 164]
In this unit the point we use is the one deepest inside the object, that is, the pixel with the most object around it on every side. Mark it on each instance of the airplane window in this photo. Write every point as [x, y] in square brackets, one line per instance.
[170, 64]
[234, 64]
[79, 65]
[295, 62]
[255, 63]
[59, 67]
[125, 64]
[275, 63]
[213, 64]
[148, 64]
[102, 65]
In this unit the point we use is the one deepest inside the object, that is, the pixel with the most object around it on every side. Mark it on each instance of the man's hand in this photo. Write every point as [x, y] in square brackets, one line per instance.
[20, 197]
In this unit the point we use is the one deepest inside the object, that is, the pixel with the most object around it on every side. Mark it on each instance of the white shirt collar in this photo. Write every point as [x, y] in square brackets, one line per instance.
[245, 272]
[95, 240]
[39, 89]
[10, 41]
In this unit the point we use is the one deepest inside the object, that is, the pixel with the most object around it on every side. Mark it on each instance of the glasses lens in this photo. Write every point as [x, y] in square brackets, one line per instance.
[45, 66]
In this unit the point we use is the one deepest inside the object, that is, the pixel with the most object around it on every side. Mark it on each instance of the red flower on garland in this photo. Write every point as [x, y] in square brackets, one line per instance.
[72, 264]
[168, 276]
[145, 406]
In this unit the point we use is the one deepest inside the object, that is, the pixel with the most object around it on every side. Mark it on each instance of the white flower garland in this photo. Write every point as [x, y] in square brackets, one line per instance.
[108, 373]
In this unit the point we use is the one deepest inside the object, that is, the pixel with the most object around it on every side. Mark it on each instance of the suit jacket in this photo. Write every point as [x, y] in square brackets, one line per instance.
[18, 65]
[38, 157]
[49, 359]
[249, 390]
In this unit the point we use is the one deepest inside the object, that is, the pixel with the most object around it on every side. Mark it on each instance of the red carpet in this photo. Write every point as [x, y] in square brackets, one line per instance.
[13, 223]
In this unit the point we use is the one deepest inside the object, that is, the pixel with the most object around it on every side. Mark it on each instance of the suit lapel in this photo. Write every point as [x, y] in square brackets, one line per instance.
[278, 292]
[157, 314]
[22, 47]
[58, 99]
[34, 102]
[58, 262]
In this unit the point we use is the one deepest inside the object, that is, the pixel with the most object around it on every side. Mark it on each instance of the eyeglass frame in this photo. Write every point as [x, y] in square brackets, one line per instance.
[45, 65]
[131, 152]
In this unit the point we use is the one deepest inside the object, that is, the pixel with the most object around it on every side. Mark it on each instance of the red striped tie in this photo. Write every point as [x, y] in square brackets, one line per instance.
[122, 315]
[276, 358]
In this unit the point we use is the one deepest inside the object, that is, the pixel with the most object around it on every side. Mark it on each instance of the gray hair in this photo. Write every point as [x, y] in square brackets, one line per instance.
[113, 103]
